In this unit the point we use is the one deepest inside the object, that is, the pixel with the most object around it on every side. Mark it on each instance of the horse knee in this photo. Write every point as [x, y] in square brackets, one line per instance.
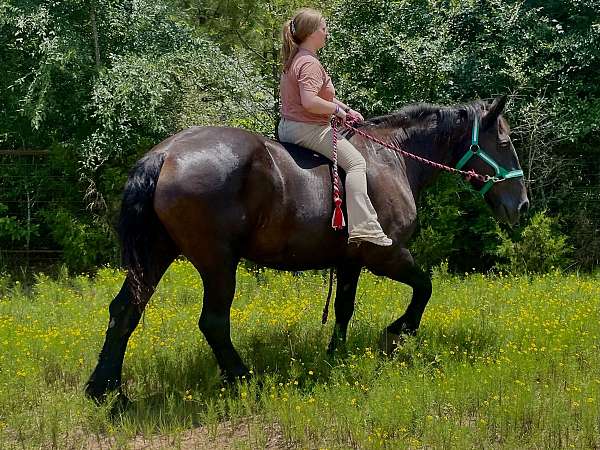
[425, 285]
[120, 302]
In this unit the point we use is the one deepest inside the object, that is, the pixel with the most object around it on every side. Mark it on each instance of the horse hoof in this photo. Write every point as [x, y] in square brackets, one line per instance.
[335, 345]
[121, 404]
[95, 393]
[389, 342]
[239, 376]
[101, 392]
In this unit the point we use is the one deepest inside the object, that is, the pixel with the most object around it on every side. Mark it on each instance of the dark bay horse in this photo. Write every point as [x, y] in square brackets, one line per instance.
[217, 195]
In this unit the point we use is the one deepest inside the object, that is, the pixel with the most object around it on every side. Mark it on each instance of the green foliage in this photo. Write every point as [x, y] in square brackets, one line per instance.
[43, 195]
[145, 76]
[106, 80]
[49, 67]
[252, 27]
[85, 245]
[142, 99]
[538, 248]
[12, 231]
[455, 226]
[384, 54]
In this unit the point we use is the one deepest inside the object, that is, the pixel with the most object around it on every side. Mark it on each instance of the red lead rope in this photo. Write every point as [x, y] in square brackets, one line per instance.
[337, 221]
[467, 174]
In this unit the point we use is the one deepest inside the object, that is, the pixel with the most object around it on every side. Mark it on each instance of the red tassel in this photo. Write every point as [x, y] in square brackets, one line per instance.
[337, 221]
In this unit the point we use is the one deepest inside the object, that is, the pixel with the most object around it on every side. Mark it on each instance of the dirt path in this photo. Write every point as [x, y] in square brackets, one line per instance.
[226, 435]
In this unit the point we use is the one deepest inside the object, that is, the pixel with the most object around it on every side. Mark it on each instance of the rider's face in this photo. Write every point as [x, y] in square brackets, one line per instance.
[321, 34]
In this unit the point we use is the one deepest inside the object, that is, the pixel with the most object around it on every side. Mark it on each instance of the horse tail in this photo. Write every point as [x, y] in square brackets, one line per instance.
[139, 226]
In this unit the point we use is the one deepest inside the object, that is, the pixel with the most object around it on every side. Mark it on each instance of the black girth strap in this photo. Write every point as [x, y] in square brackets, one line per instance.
[326, 309]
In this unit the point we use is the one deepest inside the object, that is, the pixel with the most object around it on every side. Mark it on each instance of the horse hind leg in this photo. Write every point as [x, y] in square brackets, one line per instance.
[125, 314]
[215, 323]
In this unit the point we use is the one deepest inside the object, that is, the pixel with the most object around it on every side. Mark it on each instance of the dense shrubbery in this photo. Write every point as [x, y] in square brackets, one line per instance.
[100, 83]
[538, 248]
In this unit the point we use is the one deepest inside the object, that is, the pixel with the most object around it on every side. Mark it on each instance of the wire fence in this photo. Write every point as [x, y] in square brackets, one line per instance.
[33, 187]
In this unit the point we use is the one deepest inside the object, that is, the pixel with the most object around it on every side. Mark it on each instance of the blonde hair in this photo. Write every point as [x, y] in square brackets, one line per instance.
[304, 23]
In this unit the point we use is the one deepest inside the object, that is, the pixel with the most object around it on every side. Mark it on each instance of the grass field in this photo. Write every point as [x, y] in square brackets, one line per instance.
[499, 362]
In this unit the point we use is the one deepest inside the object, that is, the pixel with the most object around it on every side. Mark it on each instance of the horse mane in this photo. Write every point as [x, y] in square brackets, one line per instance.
[441, 121]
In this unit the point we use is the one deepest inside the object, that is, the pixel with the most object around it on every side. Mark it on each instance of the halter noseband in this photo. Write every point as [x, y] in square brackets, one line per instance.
[475, 150]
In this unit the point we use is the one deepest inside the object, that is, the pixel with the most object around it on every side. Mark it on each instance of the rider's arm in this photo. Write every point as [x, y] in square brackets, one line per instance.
[311, 77]
[315, 104]
[341, 104]
[352, 113]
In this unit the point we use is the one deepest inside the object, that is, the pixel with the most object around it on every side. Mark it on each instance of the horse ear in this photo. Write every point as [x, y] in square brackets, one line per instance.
[495, 110]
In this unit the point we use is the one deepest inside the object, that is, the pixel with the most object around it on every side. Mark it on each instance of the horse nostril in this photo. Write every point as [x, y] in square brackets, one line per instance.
[524, 207]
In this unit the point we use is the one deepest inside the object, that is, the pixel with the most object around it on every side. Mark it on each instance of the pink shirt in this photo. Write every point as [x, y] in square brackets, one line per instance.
[305, 73]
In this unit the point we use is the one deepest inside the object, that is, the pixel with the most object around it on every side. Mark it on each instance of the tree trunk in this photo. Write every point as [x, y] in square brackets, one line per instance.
[95, 33]
[275, 74]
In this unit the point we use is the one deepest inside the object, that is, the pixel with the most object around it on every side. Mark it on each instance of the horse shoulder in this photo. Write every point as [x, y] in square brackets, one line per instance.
[393, 198]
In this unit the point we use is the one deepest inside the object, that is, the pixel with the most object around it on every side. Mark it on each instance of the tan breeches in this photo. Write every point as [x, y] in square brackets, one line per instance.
[362, 218]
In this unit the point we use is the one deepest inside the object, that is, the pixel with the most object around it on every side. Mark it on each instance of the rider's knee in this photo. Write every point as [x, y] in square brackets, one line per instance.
[357, 164]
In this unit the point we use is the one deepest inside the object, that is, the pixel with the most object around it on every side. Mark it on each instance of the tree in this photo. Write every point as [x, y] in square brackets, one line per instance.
[104, 81]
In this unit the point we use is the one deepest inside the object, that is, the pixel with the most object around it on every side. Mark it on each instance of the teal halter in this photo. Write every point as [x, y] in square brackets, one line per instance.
[474, 150]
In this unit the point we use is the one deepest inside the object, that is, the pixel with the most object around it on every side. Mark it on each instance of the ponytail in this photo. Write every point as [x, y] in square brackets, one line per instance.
[289, 47]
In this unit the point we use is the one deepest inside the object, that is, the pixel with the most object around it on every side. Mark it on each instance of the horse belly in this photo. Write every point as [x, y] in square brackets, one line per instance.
[306, 254]
[294, 232]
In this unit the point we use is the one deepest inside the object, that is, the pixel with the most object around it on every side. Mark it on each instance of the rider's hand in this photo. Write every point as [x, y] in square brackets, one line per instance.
[355, 116]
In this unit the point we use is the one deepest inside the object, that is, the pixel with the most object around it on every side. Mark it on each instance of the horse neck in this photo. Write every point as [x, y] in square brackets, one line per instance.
[420, 175]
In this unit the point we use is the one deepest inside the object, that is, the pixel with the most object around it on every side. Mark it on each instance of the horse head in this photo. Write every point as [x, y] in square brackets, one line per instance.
[489, 151]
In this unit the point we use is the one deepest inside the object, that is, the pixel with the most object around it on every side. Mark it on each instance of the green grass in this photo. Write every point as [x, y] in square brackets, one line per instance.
[499, 362]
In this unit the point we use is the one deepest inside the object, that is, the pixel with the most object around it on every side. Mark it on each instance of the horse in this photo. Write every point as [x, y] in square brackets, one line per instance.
[219, 194]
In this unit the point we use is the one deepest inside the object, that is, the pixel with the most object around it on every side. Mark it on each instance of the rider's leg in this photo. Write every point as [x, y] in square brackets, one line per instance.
[362, 218]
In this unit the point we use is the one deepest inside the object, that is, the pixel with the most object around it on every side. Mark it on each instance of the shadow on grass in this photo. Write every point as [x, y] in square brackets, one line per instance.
[184, 387]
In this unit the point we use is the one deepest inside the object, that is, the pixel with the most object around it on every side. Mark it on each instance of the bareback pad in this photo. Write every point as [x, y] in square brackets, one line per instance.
[309, 159]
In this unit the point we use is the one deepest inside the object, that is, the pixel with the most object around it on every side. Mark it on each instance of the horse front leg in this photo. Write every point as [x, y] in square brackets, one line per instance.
[345, 293]
[401, 267]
